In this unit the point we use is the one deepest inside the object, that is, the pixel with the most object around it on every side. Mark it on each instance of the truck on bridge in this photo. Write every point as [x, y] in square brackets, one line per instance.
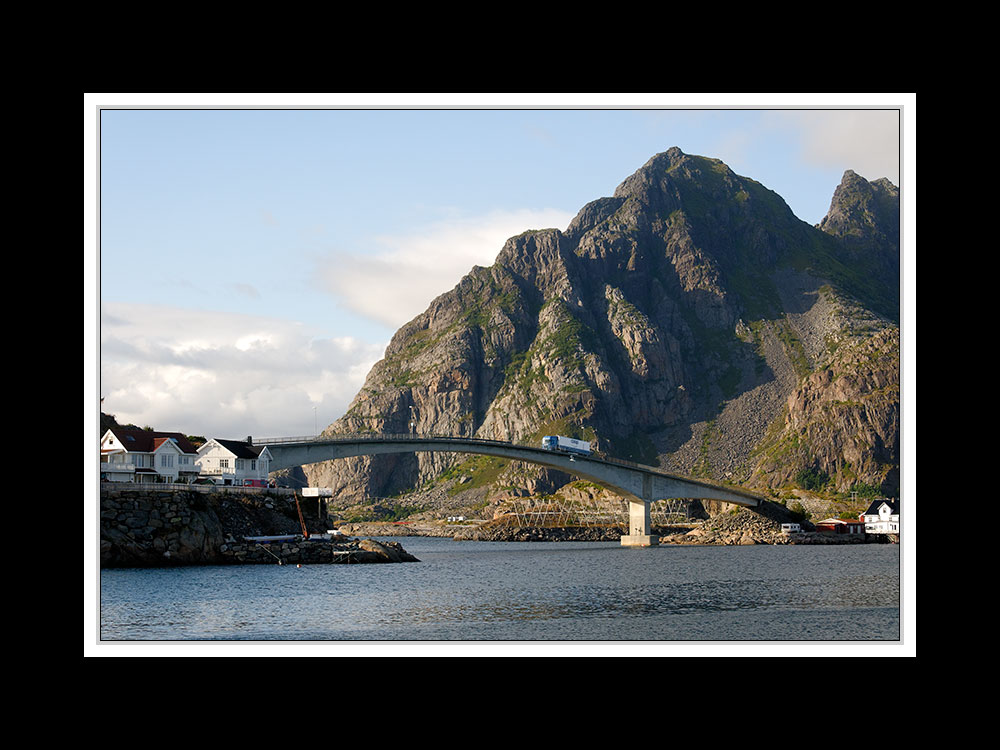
[566, 445]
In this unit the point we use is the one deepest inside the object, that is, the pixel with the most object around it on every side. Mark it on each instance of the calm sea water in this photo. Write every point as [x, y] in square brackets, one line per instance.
[485, 591]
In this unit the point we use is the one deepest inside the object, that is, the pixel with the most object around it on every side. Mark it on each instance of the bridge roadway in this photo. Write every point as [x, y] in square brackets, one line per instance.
[639, 485]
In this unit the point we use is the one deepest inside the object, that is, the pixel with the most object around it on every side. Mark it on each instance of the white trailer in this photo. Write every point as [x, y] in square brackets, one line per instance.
[566, 445]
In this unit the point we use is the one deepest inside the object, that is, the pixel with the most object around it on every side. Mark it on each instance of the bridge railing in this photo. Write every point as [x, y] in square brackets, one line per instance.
[200, 488]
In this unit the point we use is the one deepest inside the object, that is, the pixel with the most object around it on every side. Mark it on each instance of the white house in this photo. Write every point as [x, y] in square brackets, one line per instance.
[234, 462]
[882, 517]
[147, 456]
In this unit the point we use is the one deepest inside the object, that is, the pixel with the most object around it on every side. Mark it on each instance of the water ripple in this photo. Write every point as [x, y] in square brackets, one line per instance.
[523, 591]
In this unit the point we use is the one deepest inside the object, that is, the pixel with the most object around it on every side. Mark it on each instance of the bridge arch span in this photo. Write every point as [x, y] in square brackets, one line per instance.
[640, 485]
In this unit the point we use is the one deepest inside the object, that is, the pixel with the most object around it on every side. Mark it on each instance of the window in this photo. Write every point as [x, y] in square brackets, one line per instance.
[223, 463]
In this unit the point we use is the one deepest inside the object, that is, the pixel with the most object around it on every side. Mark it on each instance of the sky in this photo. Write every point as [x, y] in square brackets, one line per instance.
[248, 257]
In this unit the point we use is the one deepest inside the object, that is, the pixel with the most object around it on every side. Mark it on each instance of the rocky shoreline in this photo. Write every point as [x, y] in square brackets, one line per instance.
[737, 526]
[313, 551]
[149, 527]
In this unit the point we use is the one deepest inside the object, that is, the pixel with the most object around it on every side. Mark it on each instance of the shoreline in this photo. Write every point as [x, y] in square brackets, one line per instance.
[692, 534]
[160, 527]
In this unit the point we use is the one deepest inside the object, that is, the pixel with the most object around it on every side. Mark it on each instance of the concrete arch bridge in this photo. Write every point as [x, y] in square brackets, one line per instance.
[639, 485]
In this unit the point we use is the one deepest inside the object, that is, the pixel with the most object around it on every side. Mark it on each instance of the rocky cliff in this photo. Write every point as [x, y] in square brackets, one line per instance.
[689, 321]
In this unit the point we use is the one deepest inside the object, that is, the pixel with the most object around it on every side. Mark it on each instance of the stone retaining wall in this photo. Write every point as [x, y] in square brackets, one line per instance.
[146, 526]
[149, 526]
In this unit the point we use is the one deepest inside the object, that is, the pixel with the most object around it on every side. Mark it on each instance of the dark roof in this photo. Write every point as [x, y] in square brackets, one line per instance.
[147, 441]
[240, 449]
[873, 508]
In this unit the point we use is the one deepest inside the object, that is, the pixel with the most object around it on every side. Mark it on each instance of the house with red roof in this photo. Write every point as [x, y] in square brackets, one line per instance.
[841, 526]
[147, 456]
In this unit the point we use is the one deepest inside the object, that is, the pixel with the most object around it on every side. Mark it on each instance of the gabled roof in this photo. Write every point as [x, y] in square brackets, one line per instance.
[147, 441]
[241, 449]
[158, 441]
[877, 502]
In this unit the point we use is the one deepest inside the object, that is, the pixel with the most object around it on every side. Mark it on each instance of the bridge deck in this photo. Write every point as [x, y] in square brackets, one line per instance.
[458, 443]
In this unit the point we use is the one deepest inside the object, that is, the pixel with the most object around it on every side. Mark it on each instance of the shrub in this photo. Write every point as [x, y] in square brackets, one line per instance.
[812, 479]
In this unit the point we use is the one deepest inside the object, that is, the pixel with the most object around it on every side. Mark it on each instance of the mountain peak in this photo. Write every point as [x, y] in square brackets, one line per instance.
[863, 212]
[671, 164]
[669, 323]
[854, 188]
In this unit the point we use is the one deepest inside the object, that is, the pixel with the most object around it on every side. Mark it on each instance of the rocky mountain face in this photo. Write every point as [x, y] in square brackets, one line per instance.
[689, 321]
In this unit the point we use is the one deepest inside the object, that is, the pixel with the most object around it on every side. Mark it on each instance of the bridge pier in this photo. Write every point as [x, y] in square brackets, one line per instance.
[639, 524]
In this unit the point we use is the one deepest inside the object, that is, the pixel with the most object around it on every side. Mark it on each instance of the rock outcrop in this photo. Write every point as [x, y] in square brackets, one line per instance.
[689, 321]
[150, 527]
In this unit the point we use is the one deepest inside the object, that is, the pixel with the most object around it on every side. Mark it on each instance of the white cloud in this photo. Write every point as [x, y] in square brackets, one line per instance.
[865, 139]
[397, 280]
[225, 375]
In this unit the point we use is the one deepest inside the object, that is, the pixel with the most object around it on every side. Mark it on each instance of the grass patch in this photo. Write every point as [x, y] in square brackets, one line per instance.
[794, 348]
[382, 513]
[481, 471]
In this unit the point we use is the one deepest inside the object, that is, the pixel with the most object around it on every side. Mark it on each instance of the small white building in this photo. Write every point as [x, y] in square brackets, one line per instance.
[882, 517]
[234, 462]
[317, 492]
[147, 456]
